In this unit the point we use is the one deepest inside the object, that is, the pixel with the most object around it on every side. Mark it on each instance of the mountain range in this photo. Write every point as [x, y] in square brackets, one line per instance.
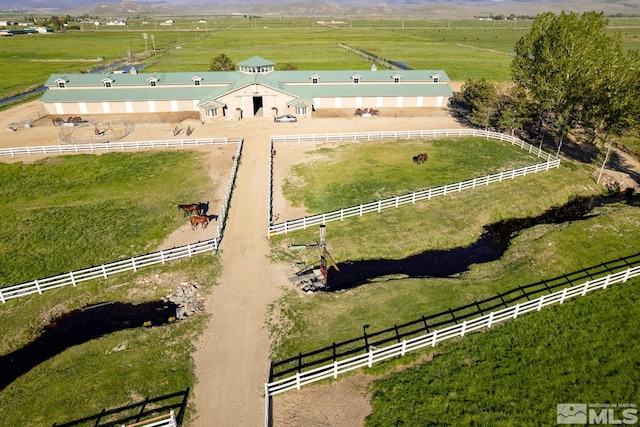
[327, 8]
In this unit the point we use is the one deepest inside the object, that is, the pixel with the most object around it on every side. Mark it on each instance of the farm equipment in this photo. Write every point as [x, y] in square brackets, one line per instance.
[311, 278]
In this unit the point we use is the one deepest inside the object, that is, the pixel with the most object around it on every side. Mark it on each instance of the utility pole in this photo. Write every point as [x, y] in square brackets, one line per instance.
[146, 46]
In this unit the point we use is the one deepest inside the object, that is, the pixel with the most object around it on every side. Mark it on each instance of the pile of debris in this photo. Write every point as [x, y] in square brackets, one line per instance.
[310, 280]
[188, 299]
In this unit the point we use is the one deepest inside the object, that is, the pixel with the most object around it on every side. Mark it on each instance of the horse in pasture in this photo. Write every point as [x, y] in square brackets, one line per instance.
[195, 220]
[358, 112]
[374, 112]
[190, 209]
[420, 158]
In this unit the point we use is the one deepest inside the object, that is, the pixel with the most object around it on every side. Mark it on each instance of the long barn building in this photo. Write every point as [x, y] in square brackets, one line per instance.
[255, 90]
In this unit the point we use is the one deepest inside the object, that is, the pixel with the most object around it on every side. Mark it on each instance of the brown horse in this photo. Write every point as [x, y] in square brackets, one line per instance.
[420, 158]
[374, 112]
[190, 209]
[195, 220]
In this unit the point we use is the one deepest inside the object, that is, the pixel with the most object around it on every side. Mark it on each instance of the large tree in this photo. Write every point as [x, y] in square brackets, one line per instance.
[222, 63]
[563, 65]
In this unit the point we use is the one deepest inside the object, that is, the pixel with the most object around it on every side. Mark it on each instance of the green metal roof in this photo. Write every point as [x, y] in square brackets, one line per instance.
[297, 84]
[256, 61]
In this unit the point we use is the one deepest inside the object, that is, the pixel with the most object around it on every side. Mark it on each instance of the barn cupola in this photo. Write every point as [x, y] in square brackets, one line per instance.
[256, 65]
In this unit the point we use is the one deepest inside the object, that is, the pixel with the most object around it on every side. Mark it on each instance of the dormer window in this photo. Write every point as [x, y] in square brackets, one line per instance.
[61, 83]
[153, 82]
[315, 79]
[396, 78]
[196, 82]
[356, 79]
[436, 78]
[107, 82]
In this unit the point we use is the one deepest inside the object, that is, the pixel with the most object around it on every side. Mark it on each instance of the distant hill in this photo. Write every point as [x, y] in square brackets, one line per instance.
[338, 8]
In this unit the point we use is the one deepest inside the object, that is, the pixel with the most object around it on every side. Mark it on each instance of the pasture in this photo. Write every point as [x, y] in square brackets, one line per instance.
[537, 253]
[463, 48]
[582, 352]
[69, 212]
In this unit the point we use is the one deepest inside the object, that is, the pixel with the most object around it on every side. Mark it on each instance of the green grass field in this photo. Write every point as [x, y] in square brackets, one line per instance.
[515, 374]
[89, 209]
[70, 212]
[464, 49]
[456, 220]
[388, 170]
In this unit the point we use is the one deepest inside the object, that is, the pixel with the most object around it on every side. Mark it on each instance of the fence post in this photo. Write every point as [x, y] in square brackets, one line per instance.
[335, 369]
[404, 348]
[584, 288]
[490, 322]
[433, 338]
[563, 296]
[606, 282]
[133, 263]
[463, 329]
[516, 310]
[540, 301]
[370, 362]
[73, 279]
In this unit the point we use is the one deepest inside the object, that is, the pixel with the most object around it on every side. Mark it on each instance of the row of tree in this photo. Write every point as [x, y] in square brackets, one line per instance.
[569, 77]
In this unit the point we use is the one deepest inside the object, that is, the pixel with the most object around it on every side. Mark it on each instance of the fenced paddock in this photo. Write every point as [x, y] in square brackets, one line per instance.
[135, 263]
[394, 202]
[115, 146]
[375, 355]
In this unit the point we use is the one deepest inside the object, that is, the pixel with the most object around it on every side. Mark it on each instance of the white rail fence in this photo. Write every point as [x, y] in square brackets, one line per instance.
[394, 202]
[105, 270]
[130, 264]
[114, 146]
[168, 420]
[406, 134]
[431, 339]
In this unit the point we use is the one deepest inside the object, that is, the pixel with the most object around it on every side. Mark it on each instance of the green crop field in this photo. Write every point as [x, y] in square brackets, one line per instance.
[464, 49]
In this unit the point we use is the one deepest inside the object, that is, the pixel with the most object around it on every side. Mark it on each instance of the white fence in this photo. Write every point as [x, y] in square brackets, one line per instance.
[406, 134]
[431, 339]
[131, 264]
[113, 146]
[168, 420]
[394, 202]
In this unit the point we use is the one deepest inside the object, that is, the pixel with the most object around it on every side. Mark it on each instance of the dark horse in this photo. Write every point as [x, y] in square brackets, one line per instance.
[195, 220]
[420, 158]
[190, 209]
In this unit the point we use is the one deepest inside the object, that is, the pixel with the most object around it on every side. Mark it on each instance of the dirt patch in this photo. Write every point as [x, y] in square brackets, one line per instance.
[340, 403]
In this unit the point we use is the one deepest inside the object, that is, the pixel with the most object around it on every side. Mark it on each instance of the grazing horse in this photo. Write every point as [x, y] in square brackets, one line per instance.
[189, 209]
[195, 220]
[420, 158]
